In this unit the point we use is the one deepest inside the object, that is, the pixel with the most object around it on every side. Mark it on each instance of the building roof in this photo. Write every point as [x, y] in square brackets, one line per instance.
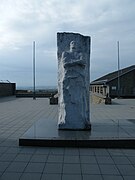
[109, 77]
[5, 81]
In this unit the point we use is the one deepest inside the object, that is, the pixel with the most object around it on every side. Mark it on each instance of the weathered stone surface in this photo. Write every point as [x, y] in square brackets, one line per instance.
[73, 81]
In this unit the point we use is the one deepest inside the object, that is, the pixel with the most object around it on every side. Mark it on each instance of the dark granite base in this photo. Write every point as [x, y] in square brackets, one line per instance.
[112, 143]
[102, 135]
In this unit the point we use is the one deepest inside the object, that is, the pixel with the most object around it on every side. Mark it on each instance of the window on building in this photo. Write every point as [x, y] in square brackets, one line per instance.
[101, 90]
[114, 88]
[98, 89]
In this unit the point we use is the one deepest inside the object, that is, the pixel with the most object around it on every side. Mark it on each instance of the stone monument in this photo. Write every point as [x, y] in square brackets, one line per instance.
[73, 81]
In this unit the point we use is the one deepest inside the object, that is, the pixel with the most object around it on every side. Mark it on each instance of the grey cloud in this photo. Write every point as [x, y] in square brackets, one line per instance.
[105, 21]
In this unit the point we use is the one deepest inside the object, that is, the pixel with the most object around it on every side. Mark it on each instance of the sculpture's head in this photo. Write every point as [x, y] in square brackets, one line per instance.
[72, 45]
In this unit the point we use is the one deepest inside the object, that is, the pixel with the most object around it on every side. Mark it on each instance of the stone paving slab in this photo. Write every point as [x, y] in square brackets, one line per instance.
[17, 115]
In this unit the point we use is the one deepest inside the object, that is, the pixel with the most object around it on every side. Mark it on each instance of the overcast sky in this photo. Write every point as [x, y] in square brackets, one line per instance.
[25, 21]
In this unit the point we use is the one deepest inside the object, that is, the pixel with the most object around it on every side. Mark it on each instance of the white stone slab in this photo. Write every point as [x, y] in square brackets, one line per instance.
[73, 81]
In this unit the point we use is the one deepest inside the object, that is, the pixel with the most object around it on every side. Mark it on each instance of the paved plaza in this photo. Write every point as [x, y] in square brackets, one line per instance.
[17, 115]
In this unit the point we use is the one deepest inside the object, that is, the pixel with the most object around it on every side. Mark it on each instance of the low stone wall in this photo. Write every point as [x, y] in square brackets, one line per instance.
[7, 89]
[39, 94]
[97, 98]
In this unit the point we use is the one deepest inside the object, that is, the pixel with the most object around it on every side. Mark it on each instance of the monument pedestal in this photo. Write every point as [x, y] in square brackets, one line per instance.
[45, 133]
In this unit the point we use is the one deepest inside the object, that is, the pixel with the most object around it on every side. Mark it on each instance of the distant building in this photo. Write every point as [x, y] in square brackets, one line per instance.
[7, 88]
[108, 84]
